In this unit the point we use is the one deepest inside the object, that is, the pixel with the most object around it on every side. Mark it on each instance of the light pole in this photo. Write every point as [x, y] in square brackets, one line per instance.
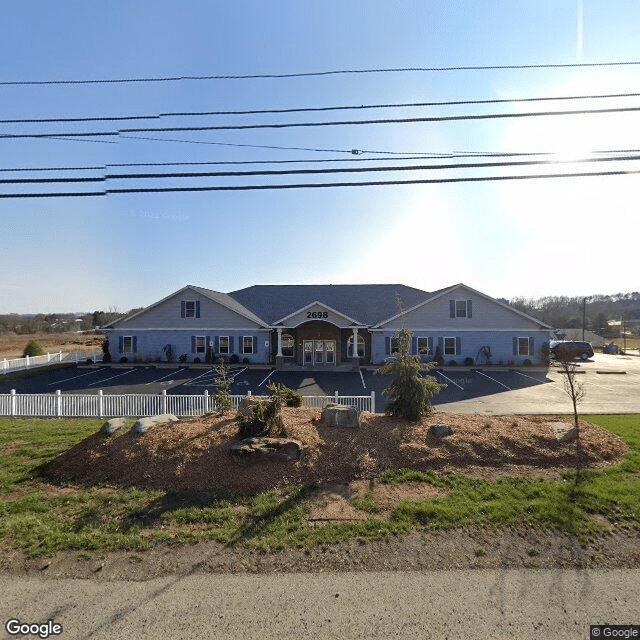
[584, 313]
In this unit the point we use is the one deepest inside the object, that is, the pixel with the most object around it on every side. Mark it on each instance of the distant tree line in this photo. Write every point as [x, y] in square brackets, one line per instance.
[24, 324]
[567, 312]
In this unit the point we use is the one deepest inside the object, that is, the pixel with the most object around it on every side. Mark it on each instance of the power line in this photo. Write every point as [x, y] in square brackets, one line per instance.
[284, 125]
[321, 184]
[398, 105]
[309, 74]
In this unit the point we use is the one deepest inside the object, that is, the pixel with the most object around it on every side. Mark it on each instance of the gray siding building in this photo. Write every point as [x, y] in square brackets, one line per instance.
[318, 325]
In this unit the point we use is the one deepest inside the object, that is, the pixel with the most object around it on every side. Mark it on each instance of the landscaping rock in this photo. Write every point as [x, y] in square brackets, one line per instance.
[247, 403]
[563, 432]
[253, 449]
[441, 430]
[340, 415]
[111, 426]
[144, 424]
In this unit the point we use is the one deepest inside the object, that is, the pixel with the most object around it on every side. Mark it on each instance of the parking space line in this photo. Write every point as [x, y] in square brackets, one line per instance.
[272, 372]
[526, 376]
[494, 380]
[82, 375]
[450, 380]
[173, 373]
[364, 386]
[111, 378]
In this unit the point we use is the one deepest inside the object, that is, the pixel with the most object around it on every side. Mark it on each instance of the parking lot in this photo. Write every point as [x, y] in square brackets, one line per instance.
[611, 382]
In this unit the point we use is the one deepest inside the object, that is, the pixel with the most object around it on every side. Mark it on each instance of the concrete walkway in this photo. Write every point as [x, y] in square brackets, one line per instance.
[522, 604]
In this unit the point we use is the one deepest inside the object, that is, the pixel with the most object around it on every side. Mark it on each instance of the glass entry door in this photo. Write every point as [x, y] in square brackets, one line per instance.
[319, 352]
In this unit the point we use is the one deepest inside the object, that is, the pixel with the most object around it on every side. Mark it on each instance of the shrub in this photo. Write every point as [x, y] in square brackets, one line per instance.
[245, 360]
[409, 393]
[182, 358]
[265, 419]
[468, 362]
[453, 363]
[196, 361]
[234, 359]
[527, 363]
[106, 354]
[438, 360]
[223, 382]
[124, 359]
[33, 348]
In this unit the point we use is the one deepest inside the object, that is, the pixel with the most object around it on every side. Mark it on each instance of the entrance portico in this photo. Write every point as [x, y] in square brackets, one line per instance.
[319, 337]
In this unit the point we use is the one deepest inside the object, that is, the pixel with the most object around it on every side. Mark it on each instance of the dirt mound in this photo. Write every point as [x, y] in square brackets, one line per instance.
[193, 454]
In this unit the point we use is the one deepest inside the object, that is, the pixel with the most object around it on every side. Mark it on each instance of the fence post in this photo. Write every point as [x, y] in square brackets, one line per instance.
[335, 397]
[100, 404]
[164, 401]
[373, 402]
[13, 403]
[206, 400]
[27, 362]
[58, 403]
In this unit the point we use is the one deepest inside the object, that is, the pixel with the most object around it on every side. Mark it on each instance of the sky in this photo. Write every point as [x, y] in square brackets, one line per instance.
[535, 237]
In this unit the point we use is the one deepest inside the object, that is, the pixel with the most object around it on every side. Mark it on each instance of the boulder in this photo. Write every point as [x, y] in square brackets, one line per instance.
[340, 415]
[441, 430]
[144, 424]
[111, 426]
[563, 432]
[253, 449]
[247, 403]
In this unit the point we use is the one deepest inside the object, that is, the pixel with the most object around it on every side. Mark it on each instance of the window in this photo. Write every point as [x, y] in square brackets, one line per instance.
[128, 344]
[360, 347]
[247, 344]
[423, 346]
[287, 344]
[450, 347]
[223, 344]
[523, 346]
[201, 344]
[461, 308]
[190, 309]
[395, 345]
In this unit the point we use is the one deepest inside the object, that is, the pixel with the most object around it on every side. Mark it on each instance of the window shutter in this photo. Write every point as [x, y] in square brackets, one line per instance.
[193, 344]
[430, 345]
[217, 344]
[241, 344]
[458, 346]
[135, 344]
[183, 309]
[469, 308]
[255, 344]
[452, 308]
[120, 343]
[441, 345]
[515, 346]
[531, 345]
[414, 345]
[197, 308]
[231, 344]
[387, 345]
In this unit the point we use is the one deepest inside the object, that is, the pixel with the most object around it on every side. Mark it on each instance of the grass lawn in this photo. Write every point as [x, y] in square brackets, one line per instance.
[43, 518]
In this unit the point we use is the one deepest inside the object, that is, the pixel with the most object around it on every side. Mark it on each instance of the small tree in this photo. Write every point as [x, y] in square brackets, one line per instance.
[409, 393]
[106, 354]
[33, 348]
[223, 381]
[265, 419]
[572, 386]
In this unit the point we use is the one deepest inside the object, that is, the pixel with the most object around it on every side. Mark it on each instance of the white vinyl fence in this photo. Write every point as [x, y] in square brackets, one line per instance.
[63, 405]
[28, 362]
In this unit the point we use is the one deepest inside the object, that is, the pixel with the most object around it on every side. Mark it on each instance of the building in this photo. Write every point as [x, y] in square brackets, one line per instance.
[318, 326]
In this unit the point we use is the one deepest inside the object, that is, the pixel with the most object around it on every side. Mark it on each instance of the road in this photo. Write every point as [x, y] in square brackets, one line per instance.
[510, 603]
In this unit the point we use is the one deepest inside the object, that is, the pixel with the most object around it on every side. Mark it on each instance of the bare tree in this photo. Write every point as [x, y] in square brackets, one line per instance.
[573, 387]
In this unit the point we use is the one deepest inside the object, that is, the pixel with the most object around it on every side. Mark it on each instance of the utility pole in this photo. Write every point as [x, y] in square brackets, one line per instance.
[584, 313]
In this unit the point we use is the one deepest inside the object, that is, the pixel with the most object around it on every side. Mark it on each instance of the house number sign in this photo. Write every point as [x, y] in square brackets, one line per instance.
[317, 314]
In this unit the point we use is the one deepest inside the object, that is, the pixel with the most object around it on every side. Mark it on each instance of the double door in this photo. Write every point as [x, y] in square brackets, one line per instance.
[319, 352]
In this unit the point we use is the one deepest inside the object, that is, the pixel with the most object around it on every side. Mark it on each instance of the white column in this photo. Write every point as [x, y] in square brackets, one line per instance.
[354, 353]
[279, 330]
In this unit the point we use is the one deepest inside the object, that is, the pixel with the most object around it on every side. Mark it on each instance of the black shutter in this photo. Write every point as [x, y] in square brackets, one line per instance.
[255, 344]
[183, 309]
[217, 344]
[193, 344]
[387, 345]
[414, 345]
[458, 346]
[469, 308]
[197, 308]
[515, 346]
[531, 345]
[231, 344]
[120, 343]
[452, 308]
[135, 344]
